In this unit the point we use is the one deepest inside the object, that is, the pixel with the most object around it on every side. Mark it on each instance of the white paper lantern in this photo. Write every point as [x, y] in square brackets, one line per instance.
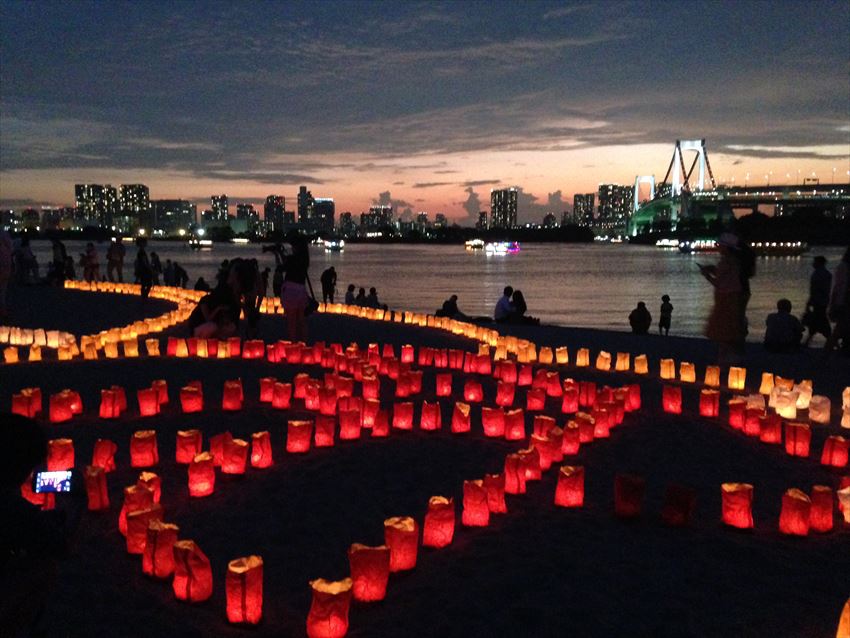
[819, 408]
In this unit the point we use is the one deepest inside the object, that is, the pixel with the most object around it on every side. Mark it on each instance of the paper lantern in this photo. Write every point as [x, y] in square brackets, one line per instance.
[461, 418]
[103, 455]
[60, 455]
[136, 497]
[267, 389]
[633, 400]
[845, 418]
[472, 391]
[401, 535]
[641, 364]
[766, 386]
[571, 438]
[152, 482]
[381, 424]
[628, 495]
[161, 387]
[820, 516]
[137, 527]
[798, 437]
[712, 376]
[328, 615]
[431, 417]
[535, 400]
[110, 405]
[785, 404]
[202, 475]
[217, 442]
[508, 373]
[562, 355]
[819, 409]
[350, 425]
[844, 622]
[344, 386]
[370, 571]
[794, 517]
[192, 573]
[493, 421]
[737, 378]
[844, 502]
[623, 362]
[835, 451]
[281, 396]
[709, 403]
[505, 393]
[27, 402]
[752, 421]
[671, 399]
[232, 396]
[514, 425]
[542, 424]
[546, 356]
[494, 485]
[530, 462]
[243, 585]
[586, 427]
[678, 508]
[770, 428]
[524, 376]
[439, 527]
[143, 449]
[687, 372]
[60, 408]
[804, 395]
[569, 491]
[587, 393]
[737, 413]
[191, 399]
[601, 423]
[233, 346]
[327, 401]
[96, 490]
[582, 358]
[158, 555]
[570, 400]
[782, 383]
[148, 402]
[481, 364]
[425, 358]
[737, 504]
[668, 369]
[235, 456]
[298, 435]
[476, 511]
[152, 347]
[188, 446]
[403, 416]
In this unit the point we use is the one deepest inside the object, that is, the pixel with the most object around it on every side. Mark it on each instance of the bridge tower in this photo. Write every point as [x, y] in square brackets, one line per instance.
[681, 177]
[643, 179]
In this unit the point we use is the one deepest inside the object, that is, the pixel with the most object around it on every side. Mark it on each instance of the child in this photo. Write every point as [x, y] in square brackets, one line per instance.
[666, 314]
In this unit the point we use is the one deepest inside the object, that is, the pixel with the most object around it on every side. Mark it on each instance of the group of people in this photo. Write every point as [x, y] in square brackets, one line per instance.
[511, 308]
[640, 319]
[362, 299]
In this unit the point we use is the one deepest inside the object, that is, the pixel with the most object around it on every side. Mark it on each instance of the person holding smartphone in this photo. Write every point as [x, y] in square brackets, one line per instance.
[727, 323]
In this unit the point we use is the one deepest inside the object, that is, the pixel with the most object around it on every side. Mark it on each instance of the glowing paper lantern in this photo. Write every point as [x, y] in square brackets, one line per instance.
[767, 382]
[752, 421]
[819, 409]
[569, 491]
[431, 417]
[586, 427]
[737, 413]
[530, 461]
[794, 517]
[562, 355]
[583, 358]
[493, 421]
[844, 622]
[381, 424]
[514, 425]
[401, 535]
[152, 347]
[679, 502]
[148, 402]
[472, 391]
[737, 504]
[587, 393]
[281, 396]
[623, 362]
[243, 585]
[158, 555]
[403, 416]
[461, 418]
[737, 378]
[325, 431]
[136, 497]
[671, 399]
[571, 438]
[328, 615]
[188, 446]
[494, 485]
[103, 455]
[508, 373]
[110, 405]
[161, 387]
[687, 372]
[191, 399]
[798, 437]
[709, 403]
[137, 527]
[27, 402]
[350, 424]
[804, 394]
[235, 457]
[60, 455]
[668, 369]
[370, 571]
[524, 376]
[820, 517]
[152, 482]
[505, 393]
[770, 428]
[628, 495]
[641, 364]
[835, 451]
[298, 434]
[476, 511]
[535, 399]
[60, 408]
[712, 376]
[785, 404]
[439, 527]
[143, 449]
[96, 491]
[267, 389]
[192, 573]
[232, 396]
[202, 475]
[844, 502]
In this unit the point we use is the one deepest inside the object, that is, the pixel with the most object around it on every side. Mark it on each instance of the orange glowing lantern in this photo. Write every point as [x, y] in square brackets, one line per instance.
[148, 402]
[493, 421]
[586, 393]
[672, 399]
[60, 455]
[505, 393]
[583, 358]
[370, 571]
[281, 396]
[569, 491]
[202, 475]
[668, 369]
[628, 495]
[152, 347]
[819, 409]
[844, 622]
[158, 555]
[545, 450]
[476, 511]
[835, 451]
[136, 497]
[98, 496]
[820, 517]
[767, 383]
[737, 505]
[514, 425]
[431, 417]
[371, 387]
[143, 449]
[188, 445]
[235, 456]
[770, 428]
[679, 502]
[623, 362]
[192, 573]
[232, 395]
[298, 435]
[439, 527]
[401, 535]
[641, 364]
[349, 425]
[328, 615]
[709, 403]
[798, 437]
[737, 413]
[152, 482]
[103, 455]
[737, 378]
[137, 527]
[712, 376]
[796, 509]
[687, 372]
[243, 586]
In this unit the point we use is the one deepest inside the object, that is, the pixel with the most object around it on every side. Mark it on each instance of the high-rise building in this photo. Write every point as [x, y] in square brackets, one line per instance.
[305, 205]
[134, 200]
[549, 220]
[583, 209]
[96, 203]
[170, 216]
[220, 208]
[273, 211]
[440, 221]
[503, 208]
[322, 215]
[379, 215]
[422, 221]
[481, 224]
[252, 217]
[347, 227]
[615, 205]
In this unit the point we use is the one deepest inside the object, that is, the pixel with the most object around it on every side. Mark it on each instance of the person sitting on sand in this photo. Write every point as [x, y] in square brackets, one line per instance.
[666, 315]
[217, 314]
[449, 308]
[640, 319]
[519, 309]
[360, 299]
[349, 295]
[372, 299]
[784, 331]
[504, 307]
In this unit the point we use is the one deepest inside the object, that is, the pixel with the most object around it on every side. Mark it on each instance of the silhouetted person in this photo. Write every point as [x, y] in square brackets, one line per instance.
[640, 320]
[168, 273]
[504, 307]
[727, 323]
[202, 285]
[820, 284]
[784, 331]
[328, 280]
[839, 305]
[115, 261]
[293, 294]
[217, 314]
[449, 308]
[180, 277]
[360, 299]
[666, 315]
[372, 299]
[156, 268]
[142, 267]
[519, 309]
[349, 295]
[90, 263]
[277, 280]
[59, 257]
[265, 275]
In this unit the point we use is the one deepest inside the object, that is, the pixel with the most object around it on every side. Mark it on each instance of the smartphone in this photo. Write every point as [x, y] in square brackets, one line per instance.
[52, 482]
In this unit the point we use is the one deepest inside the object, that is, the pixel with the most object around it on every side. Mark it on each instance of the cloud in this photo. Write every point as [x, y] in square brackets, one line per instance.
[529, 208]
[166, 145]
[472, 205]
[481, 182]
[430, 184]
[827, 151]
[565, 11]
[402, 208]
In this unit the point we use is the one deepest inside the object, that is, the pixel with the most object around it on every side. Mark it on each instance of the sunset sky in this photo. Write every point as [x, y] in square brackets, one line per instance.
[427, 105]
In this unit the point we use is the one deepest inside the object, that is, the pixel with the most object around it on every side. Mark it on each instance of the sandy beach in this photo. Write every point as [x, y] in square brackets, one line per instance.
[538, 570]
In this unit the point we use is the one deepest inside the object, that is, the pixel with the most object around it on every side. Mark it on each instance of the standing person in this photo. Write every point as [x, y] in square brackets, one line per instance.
[115, 261]
[156, 268]
[293, 294]
[168, 273]
[60, 255]
[265, 278]
[666, 315]
[90, 263]
[349, 295]
[6, 250]
[839, 305]
[181, 277]
[727, 322]
[328, 280]
[815, 317]
[144, 274]
[504, 308]
[277, 280]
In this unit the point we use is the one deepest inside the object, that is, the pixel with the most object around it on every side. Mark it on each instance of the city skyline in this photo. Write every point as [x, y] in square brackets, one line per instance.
[422, 106]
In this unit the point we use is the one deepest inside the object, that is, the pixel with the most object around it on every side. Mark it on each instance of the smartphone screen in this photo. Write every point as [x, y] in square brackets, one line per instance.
[53, 481]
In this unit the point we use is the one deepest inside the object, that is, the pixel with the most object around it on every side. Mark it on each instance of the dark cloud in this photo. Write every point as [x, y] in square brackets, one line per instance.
[398, 183]
[472, 205]
[430, 184]
[446, 172]
[531, 209]
[480, 182]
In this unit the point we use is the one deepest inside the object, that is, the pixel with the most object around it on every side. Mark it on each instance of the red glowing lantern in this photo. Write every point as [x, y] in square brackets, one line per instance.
[60, 455]
[835, 451]
[737, 413]
[524, 376]
[432, 417]
[530, 459]
[493, 422]
[281, 396]
[569, 401]
[796, 509]
[327, 401]
[267, 389]
[325, 431]
[461, 418]
[191, 399]
[152, 482]
[441, 358]
[507, 372]
[103, 455]
[381, 424]
[235, 456]
[158, 555]
[401, 535]
[402, 386]
[439, 528]
[137, 527]
[370, 571]
[456, 358]
[586, 426]
[444, 384]
[425, 358]
[542, 424]
[161, 387]
[371, 387]
[514, 474]
[44, 500]
[188, 446]
[312, 398]
[752, 421]
[798, 437]
[770, 428]
[545, 450]
[98, 496]
[671, 399]
[136, 497]
[569, 491]
[344, 387]
[243, 585]
[679, 502]
[328, 615]
[505, 394]
[370, 409]
[535, 399]
[820, 517]
[472, 391]
[403, 416]
[601, 423]
[494, 485]
[233, 346]
[27, 402]
[349, 425]
[476, 511]
[571, 441]
[232, 396]
[481, 364]
[514, 425]
[202, 475]
[192, 573]
[407, 353]
[143, 449]
[737, 505]
[298, 435]
[110, 406]
[586, 393]
[60, 407]
[148, 402]
[628, 495]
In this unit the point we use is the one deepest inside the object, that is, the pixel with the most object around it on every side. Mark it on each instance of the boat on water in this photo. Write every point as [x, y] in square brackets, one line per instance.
[698, 246]
[474, 244]
[334, 245]
[760, 248]
[501, 247]
[196, 243]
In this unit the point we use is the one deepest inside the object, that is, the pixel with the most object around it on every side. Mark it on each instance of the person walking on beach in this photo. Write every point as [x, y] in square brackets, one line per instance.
[328, 280]
[666, 315]
[142, 267]
[293, 295]
[815, 317]
[839, 306]
[115, 261]
[640, 320]
[727, 322]
[504, 307]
